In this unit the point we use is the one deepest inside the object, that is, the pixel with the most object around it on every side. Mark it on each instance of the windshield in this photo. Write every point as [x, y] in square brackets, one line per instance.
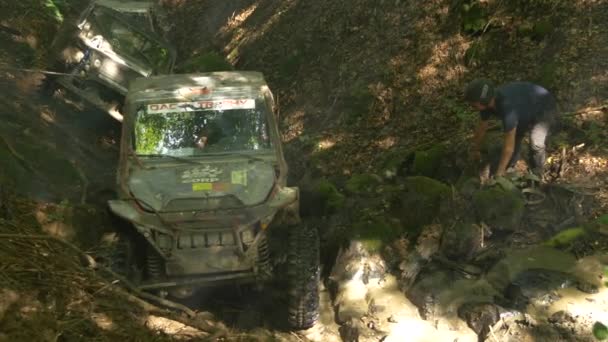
[198, 128]
[124, 40]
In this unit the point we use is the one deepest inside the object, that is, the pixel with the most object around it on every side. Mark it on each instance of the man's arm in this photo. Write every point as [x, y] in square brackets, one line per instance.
[478, 135]
[507, 151]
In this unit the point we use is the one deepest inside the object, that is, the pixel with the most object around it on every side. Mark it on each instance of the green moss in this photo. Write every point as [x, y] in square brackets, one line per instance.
[207, 62]
[426, 185]
[363, 183]
[333, 198]
[600, 331]
[419, 202]
[602, 219]
[499, 208]
[565, 237]
[375, 233]
[426, 163]
[542, 29]
[474, 16]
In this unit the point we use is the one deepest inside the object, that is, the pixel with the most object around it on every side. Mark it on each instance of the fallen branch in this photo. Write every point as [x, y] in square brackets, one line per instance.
[84, 181]
[218, 330]
[492, 333]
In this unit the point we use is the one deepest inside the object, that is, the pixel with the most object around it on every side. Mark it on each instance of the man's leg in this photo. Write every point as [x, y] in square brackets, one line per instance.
[538, 136]
[516, 150]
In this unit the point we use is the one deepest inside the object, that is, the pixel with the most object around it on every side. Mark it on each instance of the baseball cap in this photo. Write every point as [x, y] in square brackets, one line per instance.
[479, 90]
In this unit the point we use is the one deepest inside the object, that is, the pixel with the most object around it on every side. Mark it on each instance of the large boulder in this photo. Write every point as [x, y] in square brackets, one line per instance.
[501, 209]
[420, 200]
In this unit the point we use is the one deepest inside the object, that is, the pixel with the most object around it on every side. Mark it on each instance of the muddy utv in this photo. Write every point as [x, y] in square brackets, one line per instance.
[202, 178]
[104, 49]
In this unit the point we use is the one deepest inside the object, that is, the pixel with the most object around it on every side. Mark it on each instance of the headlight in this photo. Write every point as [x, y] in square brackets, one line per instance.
[97, 63]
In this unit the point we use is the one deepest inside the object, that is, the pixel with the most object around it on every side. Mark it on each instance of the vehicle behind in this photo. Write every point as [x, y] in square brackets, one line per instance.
[102, 50]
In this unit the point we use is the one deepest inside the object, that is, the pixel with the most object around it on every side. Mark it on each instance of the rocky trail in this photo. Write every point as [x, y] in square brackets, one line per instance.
[417, 246]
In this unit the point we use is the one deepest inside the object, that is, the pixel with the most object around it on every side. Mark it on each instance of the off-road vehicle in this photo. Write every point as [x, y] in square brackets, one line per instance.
[202, 178]
[103, 50]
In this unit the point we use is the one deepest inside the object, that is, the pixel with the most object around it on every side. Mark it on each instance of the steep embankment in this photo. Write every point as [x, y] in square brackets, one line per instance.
[359, 82]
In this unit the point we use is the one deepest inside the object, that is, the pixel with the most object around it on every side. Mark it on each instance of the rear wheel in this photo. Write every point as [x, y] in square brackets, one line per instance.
[303, 277]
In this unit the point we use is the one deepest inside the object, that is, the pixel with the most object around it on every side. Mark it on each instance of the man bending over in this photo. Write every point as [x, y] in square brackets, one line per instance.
[524, 108]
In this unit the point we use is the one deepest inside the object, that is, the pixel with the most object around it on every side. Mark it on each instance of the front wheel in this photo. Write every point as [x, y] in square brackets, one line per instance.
[303, 277]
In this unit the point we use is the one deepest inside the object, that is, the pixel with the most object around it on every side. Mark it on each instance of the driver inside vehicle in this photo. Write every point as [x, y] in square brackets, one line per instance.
[207, 135]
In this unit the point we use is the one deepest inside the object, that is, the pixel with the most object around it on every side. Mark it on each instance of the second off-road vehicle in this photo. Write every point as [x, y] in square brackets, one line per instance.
[103, 50]
[202, 178]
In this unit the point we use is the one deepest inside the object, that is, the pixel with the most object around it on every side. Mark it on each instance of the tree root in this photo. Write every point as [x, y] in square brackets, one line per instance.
[17, 155]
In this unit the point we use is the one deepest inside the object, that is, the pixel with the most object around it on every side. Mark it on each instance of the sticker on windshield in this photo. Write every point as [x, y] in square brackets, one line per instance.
[224, 104]
[239, 177]
[202, 186]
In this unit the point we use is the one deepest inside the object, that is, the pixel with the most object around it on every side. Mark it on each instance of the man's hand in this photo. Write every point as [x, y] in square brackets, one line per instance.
[507, 152]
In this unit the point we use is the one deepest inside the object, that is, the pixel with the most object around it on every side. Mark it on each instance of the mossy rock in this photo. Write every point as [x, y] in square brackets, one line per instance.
[600, 331]
[419, 202]
[207, 62]
[461, 241]
[374, 234]
[566, 237]
[427, 163]
[394, 160]
[332, 197]
[363, 183]
[499, 208]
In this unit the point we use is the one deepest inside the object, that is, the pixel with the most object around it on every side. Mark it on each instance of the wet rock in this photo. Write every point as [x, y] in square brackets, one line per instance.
[410, 268]
[561, 317]
[426, 290]
[462, 241]
[354, 269]
[505, 271]
[479, 316]
[429, 240]
[427, 245]
[349, 332]
[586, 287]
[499, 208]
[537, 287]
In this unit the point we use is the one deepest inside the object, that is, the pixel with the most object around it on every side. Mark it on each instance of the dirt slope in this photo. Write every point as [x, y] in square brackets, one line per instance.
[357, 79]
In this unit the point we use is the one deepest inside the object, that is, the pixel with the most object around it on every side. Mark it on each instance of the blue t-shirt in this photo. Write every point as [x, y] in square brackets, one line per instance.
[521, 104]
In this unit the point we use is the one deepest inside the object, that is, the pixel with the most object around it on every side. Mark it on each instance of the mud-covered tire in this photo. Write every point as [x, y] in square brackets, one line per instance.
[119, 257]
[303, 274]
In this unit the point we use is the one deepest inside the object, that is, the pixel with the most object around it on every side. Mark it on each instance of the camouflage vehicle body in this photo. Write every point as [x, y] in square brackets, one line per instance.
[205, 212]
[104, 49]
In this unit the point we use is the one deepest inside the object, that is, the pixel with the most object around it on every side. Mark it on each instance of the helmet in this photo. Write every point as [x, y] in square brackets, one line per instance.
[480, 90]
